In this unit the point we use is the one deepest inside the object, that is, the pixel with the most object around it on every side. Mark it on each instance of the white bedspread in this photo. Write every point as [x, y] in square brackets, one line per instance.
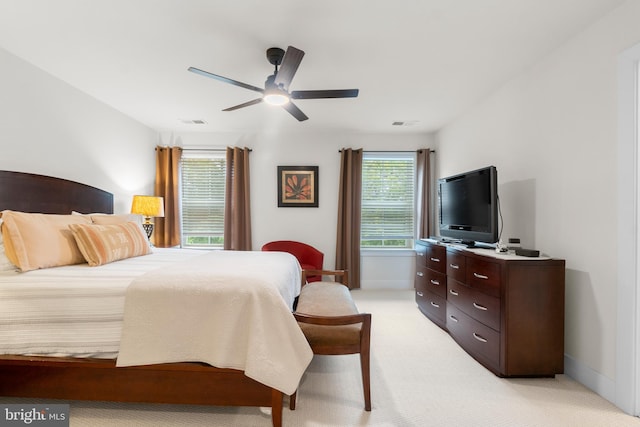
[228, 309]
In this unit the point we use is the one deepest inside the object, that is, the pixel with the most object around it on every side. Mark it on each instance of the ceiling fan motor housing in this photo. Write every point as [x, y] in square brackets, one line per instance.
[275, 55]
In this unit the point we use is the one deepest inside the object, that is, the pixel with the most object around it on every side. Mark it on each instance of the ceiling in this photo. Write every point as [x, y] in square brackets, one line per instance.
[421, 62]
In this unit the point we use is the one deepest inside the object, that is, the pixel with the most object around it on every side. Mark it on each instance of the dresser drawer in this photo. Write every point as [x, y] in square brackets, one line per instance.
[431, 304]
[437, 258]
[484, 276]
[421, 256]
[456, 266]
[477, 339]
[476, 304]
[436, 283]
[421, 274]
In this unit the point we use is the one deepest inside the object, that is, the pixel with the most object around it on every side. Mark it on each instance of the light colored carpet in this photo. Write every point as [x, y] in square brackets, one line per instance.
[420, 377]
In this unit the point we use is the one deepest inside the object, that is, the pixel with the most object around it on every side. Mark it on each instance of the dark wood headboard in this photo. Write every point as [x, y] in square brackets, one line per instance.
[27, 192]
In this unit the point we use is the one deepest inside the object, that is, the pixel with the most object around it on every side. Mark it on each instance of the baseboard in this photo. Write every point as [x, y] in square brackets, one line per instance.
[591, 379]
[395, 285]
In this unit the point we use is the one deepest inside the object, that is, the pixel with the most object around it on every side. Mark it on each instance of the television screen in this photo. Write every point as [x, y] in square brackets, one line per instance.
[468, 205]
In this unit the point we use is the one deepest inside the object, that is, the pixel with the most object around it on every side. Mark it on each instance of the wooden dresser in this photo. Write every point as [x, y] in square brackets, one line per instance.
[506, 311]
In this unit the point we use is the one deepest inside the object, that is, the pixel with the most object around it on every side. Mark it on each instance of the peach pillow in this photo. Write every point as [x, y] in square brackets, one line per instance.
[102, 244]
[34, 240]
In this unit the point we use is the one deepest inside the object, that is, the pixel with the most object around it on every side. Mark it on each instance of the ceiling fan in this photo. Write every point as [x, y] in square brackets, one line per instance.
[276, 87]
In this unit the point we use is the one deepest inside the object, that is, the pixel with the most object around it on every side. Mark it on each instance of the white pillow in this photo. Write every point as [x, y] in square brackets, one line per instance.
[108, 219]
[5, 264]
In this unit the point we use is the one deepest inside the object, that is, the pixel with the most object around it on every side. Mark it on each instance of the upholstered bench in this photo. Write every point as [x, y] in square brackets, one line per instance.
[332, 324]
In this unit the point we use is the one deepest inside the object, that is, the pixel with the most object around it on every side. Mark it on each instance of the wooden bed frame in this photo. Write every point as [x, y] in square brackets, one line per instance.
[100, 379]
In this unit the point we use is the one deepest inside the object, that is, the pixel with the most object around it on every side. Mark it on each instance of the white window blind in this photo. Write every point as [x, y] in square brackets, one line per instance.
[202, 199]
[388, 200]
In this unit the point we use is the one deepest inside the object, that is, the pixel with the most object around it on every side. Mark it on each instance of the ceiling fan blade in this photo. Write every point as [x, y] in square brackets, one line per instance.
[317, 94]
[295, 111]
[246, 104]
[290, 63]
[225, 79]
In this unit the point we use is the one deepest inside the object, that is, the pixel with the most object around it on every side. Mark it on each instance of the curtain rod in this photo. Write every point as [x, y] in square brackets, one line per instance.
[207, 149]
[394, 151]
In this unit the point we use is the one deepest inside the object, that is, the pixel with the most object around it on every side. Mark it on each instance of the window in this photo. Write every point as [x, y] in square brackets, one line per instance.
[388, 200]
[203, 187]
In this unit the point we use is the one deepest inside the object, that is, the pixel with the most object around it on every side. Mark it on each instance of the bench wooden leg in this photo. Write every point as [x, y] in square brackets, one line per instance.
[366, 379]
[365, 364]
[292, 400]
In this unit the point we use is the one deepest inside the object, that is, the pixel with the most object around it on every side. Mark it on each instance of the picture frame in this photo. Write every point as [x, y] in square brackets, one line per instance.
[297, 186]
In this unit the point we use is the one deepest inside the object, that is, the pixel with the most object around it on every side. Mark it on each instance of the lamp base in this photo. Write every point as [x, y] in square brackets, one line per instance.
[148, 228]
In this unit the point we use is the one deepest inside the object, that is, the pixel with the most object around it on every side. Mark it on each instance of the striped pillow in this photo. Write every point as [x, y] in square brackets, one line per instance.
[102, 244]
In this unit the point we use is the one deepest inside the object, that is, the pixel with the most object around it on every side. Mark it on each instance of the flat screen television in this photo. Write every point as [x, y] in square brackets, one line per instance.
[468, 206]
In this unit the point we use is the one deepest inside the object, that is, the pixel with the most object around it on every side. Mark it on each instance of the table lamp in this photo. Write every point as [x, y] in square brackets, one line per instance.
[148, 206]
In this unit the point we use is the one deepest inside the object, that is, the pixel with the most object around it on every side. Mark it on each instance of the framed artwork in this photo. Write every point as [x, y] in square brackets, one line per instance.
[298, 186]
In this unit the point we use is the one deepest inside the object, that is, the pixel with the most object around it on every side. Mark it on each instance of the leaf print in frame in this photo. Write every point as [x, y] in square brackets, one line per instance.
[298, 186]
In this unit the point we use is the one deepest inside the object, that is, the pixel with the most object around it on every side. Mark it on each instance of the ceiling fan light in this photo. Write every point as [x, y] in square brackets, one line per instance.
[276, 98]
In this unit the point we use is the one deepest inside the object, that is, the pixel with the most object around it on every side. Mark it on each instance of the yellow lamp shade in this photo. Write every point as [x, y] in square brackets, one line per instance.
[148, 206]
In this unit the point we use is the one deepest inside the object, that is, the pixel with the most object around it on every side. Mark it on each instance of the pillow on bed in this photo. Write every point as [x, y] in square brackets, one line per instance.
[115, 219]
[102, 244]
[5, 264]
[104, 219]
[34, 240]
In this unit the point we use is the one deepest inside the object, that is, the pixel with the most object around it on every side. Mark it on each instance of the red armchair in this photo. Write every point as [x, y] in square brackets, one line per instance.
[309, 257]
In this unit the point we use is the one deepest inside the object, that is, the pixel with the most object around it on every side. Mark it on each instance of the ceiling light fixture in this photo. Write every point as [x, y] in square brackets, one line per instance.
[276, 97]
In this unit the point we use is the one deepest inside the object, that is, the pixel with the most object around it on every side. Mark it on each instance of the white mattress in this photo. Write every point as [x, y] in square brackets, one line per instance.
[73, 310]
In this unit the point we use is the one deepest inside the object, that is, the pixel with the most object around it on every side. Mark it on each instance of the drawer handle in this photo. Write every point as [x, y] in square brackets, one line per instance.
[452, 317]
[454, 266]
[435, 282]
[452, 292]
[435, 259]
[479, 338]
[420, 273]
[435, 305]
[480, 307]
[420, 294]
[480, 276]
[421, 254]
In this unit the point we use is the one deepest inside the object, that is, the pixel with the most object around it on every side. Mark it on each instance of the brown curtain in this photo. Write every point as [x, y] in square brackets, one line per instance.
[237, 209]
[166, 231]
[348, 235]
[426, 213]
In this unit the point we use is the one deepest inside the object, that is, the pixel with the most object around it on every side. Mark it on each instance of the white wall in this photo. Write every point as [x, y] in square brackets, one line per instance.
[315, 226]
[47, 127]
[552, 134]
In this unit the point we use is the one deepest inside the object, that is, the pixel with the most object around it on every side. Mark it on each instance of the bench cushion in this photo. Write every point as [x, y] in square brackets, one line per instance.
[328, 299]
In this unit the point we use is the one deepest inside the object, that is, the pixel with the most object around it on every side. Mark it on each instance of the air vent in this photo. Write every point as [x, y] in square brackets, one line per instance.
[405, 123]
